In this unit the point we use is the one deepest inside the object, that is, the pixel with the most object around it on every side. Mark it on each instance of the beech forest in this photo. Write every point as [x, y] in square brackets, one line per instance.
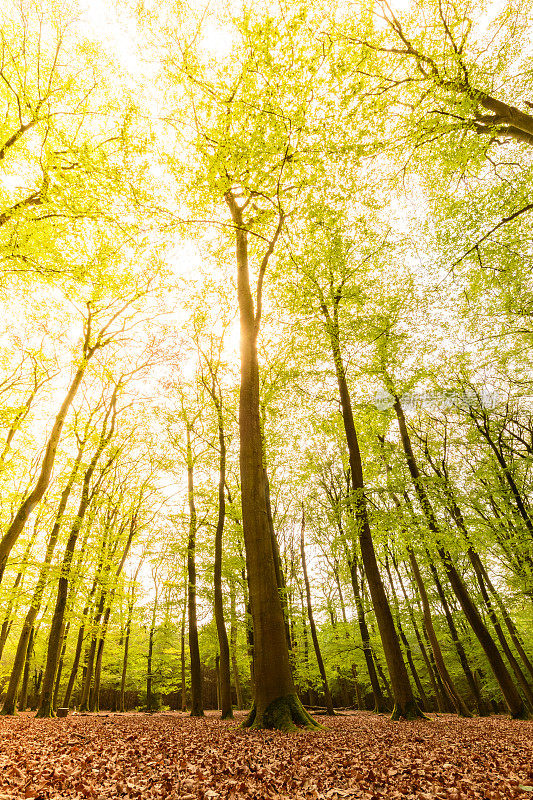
[266, 399]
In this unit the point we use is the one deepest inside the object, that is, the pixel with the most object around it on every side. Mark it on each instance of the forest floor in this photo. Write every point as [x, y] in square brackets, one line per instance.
[359, 755]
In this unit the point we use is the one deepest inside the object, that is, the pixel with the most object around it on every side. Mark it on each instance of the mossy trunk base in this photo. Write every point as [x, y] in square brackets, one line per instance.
[410, 711]
[45, 713]
[227, 715]
[522, 714]
[283, 714]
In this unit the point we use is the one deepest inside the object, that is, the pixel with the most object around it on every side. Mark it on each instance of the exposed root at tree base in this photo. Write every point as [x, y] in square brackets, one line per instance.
[283, 714]
[410, 711]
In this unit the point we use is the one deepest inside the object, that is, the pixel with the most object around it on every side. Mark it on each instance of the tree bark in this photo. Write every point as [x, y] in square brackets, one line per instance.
[276, 704]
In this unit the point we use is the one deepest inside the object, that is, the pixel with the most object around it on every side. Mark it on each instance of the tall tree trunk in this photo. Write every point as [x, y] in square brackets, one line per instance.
[427, 660]
[501, 673]
[15, 591]
[483, 709]
[404, 701]
[23, 700]
[182, 640]
[515, 666]
[233, 647]
[10, 701]
[312, 626]
[60, 665]
[449, 685]
[280, 577]
[276, 704]
[54, 640]
[197, 707]
[224, 664]
[150, 703]
[380, 704]
[515, 637]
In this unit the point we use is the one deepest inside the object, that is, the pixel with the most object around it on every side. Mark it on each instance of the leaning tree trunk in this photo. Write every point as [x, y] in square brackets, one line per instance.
[47, 465]
[404, 701]
[510, 692]
[449, 685]
[312, 626]
[276, 704]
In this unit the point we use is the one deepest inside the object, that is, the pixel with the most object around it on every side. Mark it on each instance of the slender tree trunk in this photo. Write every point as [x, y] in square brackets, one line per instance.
[60, 665]
[406, 644]
[23, 700]
[509, 690]
[404, 701]
[515, 638]
[224, 665]
[427, 660]
[380, 704]
[131, 605]
[515, 666]
[10, 701]
[312, 626]
[197, 707]
[449, 685]
[54, 641]
[150, 704]
[482, 707]
[15, 591]
[233, 647]
[276, 704]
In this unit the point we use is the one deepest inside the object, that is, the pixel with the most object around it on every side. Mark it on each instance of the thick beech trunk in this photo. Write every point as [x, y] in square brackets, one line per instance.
[312, 626]
[405, 641]
[276, 704]
[501, 673]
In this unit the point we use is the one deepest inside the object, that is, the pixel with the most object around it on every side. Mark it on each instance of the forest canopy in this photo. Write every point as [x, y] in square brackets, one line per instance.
[266, 381]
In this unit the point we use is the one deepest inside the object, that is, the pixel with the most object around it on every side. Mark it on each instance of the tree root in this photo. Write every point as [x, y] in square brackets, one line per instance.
[410, 711]
[283, 714]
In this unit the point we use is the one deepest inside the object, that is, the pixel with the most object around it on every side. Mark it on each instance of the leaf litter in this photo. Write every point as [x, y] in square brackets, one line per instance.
[359, 755]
